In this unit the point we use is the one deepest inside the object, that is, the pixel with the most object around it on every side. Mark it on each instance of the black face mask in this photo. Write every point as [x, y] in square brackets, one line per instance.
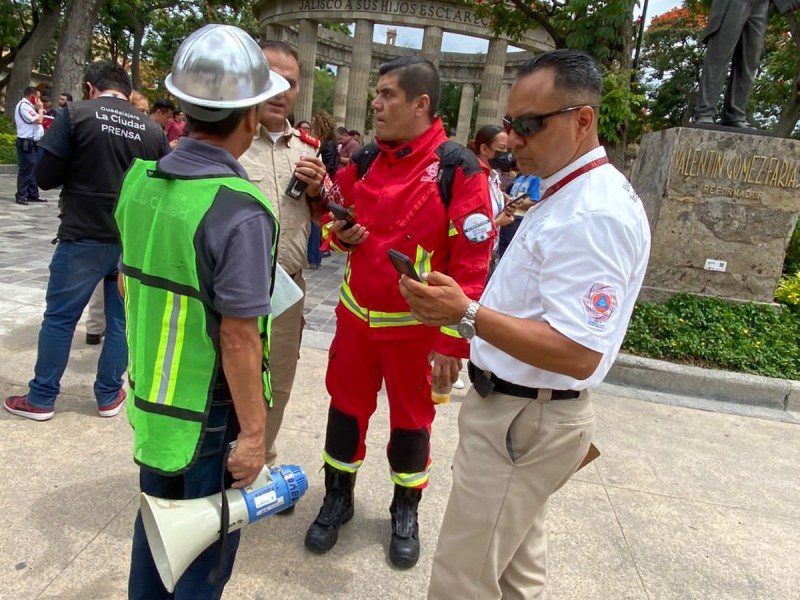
[501, 160]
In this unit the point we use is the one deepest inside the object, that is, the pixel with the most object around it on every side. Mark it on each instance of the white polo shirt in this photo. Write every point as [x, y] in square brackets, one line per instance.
[25, 115]
[577, 262]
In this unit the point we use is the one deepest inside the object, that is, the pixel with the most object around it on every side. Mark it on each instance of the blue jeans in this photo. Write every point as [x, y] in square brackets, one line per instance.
[75, 270]
[314, 241]
[202, 479]
[26, 176]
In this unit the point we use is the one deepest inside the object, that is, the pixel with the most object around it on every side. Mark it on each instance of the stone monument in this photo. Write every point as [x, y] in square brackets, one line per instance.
[722, 207]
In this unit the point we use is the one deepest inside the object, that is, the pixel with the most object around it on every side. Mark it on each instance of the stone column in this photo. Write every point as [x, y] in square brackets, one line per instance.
[273, 33]
[465, 112]
[358, 87]
[340, 94]
[503, 106]
[432, 44]
[492, 83]
[307, 52]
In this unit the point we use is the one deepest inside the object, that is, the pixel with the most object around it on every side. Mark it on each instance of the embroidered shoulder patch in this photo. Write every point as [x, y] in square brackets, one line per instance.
[600, 302]
[477, 227]
[431, 174]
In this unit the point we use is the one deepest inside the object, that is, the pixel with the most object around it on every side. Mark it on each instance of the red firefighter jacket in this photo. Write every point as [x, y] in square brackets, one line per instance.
[399, 202]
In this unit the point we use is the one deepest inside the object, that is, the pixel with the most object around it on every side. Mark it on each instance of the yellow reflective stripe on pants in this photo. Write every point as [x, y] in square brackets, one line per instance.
[411, 479]
[341, 466]
[384, 319]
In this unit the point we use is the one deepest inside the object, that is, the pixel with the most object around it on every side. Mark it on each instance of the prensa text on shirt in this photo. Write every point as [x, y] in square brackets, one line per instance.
[737, 168]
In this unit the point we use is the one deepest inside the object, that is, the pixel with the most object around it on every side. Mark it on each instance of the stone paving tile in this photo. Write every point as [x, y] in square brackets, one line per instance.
[26, 233]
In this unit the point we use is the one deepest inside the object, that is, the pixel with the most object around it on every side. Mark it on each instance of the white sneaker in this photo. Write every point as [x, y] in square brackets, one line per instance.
[458, 384]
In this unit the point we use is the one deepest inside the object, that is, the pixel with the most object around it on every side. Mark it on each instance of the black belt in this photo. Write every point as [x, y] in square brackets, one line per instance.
[486, 382]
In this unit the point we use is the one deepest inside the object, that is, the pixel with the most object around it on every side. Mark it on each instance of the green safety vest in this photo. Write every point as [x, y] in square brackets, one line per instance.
[173, 358]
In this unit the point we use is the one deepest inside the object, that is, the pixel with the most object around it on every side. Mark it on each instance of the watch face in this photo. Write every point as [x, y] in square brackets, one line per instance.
[466, 330]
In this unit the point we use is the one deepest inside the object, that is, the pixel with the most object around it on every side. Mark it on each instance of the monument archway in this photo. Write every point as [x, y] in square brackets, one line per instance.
[297, 22]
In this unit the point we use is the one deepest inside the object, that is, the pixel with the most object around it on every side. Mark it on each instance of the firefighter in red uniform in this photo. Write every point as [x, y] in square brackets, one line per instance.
[397, 204]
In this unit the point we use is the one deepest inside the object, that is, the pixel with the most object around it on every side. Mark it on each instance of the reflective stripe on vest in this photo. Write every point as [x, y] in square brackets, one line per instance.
[412, 480]
[341, 466]
[170, 348]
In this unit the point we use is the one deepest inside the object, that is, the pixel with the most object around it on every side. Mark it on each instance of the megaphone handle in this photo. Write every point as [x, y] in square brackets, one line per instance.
[216, 575]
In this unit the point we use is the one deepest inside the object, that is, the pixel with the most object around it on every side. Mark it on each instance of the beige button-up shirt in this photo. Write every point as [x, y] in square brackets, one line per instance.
[270, 166]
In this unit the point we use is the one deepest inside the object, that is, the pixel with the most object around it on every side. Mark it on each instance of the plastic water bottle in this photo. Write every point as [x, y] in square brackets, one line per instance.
[440, 389]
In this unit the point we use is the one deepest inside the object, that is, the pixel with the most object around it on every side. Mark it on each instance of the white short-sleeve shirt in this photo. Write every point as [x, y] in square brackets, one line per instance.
[25, 115]
[576, 262]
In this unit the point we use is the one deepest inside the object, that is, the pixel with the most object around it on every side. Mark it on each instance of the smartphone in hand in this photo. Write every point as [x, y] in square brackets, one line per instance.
[516, 200]
[342, 214]
[403, 264]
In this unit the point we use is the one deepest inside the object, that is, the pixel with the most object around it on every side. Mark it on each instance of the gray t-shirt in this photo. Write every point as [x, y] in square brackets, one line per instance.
[234, 257]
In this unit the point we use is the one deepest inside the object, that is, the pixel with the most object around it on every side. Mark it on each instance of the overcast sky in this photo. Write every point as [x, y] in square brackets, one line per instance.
[451, 42]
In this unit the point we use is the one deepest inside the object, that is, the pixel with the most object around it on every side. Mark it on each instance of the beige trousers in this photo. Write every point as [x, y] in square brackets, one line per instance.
[96, 317]
[287, 333]
[513, 453]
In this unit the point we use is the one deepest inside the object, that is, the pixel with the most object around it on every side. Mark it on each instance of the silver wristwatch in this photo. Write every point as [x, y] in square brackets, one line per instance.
[466, 327]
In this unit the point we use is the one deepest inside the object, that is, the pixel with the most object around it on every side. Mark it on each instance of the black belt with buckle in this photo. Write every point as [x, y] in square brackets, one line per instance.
[486, 382]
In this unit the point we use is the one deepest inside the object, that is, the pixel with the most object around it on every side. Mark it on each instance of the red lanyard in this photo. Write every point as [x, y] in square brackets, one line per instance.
[576, 173]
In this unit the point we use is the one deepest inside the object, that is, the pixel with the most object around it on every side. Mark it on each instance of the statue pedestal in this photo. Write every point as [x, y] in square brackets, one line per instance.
[722, 208]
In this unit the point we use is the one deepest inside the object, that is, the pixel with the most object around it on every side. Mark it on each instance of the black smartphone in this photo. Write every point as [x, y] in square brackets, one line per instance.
[296, 187]
[517, 199]
[342, 214]
[403, 264]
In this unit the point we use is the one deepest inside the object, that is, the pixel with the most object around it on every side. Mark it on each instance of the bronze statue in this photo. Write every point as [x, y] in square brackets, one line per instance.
[734, 35]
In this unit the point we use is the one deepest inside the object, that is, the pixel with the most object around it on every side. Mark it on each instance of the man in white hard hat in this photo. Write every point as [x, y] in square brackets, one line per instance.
[197, 262]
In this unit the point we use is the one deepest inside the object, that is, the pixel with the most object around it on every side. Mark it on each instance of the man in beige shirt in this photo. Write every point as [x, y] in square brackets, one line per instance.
[278, 152]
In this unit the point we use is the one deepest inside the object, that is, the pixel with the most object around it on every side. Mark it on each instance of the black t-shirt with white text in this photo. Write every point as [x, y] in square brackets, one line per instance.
[99, 139]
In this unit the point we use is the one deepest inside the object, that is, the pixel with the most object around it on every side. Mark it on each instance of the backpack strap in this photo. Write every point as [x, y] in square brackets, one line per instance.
[364, 158]
[453, 156]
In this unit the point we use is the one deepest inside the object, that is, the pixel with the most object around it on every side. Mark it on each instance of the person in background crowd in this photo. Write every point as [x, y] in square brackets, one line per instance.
[491, 147]
[28, 117]
[523, 184]
[278, 152]
[202, 222]
[139, 101]
[174, 127]
[355, 135]
[64, 98]
[397, 204]
[323, 127]
[88, 158]
[162, 111]
[304, 126]
[348, 146]
[546, 330]
[49, 113]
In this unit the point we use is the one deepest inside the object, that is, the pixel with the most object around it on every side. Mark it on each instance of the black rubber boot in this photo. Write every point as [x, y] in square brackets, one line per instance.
[404, 549]
[337, 509]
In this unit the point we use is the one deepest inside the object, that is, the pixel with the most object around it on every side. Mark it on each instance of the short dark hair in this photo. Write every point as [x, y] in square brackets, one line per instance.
[417, 76]
[66, 95]
[278, 46]
[46, 99]
[30, 90]
[575, 73]
[106, 75]
[354, 132]
[342, 131]
[218, 129]
[162, 104]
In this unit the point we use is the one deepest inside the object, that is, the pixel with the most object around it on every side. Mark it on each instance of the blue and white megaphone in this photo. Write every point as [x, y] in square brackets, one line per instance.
[179, 530]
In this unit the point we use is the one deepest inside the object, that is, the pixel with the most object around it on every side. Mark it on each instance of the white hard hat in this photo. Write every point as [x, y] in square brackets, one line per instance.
[220, 67]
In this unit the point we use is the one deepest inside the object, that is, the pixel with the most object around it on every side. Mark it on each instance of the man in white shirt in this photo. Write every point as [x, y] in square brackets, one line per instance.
[547, 329]
[28, 116]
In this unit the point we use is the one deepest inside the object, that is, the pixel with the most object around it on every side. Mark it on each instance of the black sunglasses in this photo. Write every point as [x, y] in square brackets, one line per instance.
[527, 125]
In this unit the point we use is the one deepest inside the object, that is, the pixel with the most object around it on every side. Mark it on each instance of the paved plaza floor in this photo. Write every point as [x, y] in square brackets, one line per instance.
[683, 504]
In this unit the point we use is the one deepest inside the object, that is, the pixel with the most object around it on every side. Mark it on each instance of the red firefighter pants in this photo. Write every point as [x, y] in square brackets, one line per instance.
[360, 358]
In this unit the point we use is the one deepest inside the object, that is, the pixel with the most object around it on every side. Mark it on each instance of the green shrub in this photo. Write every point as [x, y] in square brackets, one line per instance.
[788, 291]
[7, 125]
[8, 148]
[791, 264]
[706, 332]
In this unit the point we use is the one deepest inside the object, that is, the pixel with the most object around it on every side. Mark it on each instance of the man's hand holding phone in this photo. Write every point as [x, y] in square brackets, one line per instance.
[345, 226]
